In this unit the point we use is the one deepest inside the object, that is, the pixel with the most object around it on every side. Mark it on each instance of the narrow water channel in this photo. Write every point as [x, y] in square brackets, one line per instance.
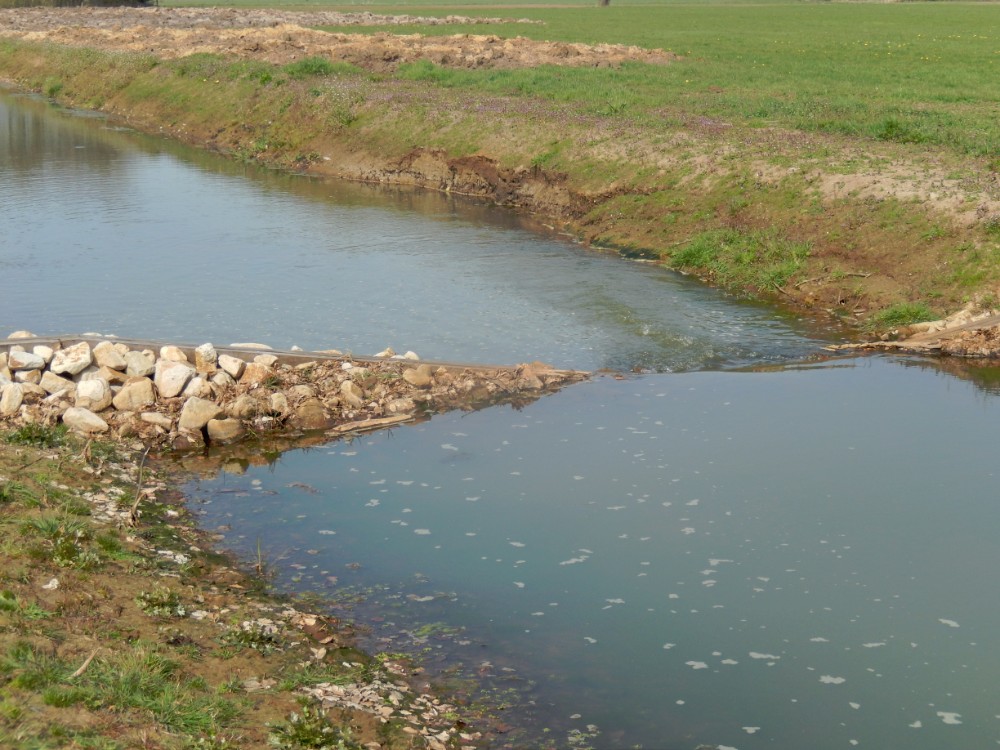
[796, 557]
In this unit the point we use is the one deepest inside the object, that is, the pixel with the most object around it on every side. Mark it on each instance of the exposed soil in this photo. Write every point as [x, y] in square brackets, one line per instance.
[283, 37]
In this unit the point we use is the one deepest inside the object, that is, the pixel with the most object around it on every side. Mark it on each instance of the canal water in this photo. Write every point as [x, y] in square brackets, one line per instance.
[745, 547]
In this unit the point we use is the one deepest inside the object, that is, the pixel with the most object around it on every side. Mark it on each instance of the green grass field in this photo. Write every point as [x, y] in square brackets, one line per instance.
[906, 72]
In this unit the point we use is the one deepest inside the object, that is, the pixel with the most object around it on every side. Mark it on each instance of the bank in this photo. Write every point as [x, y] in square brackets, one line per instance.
[878, 234]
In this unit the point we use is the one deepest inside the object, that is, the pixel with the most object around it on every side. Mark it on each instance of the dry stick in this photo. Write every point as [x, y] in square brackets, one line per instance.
[133, 514]
[820, 278]
[86, 663]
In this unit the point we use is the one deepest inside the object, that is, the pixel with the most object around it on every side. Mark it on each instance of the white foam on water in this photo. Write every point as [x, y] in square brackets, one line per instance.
[820, 639]
[831, 680]
[668, 646]
[697, 664]
[448, 447]
[855, 706]
[873, 645]
[916, 725]
[517, 544]
[950, 717]
[326, 532]
[404, 482]
[730, 661]
[519, 584]
[758, 655]
[751, 730]
[588, 639]
[422, 532]
[949, 623]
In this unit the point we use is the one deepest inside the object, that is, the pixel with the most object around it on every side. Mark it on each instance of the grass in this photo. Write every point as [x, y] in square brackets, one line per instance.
[909, 72]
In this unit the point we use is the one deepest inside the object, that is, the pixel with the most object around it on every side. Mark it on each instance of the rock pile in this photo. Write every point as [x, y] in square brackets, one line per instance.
[185, 399]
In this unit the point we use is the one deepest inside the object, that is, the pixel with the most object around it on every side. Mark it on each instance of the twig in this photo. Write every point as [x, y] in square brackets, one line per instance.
[133, 514]
[86, 663]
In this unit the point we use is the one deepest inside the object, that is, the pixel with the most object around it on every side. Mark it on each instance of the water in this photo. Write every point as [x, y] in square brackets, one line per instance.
[173, 244]
[794, 557]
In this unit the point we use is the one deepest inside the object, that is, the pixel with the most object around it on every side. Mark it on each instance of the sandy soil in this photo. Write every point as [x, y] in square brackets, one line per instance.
[283, 36]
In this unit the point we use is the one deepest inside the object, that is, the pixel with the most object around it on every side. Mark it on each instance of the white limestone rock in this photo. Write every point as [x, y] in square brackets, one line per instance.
[268, 360]
[20, 360]
[135, 394]
[223, 379]
[197, 386]
[45, 352]
[206, 359]
[72, 360]
[171, 376]
[94, 395]
[351, 393]
[225, 430]
[232, 365]
[53, 383]
[83, 421]
[139, 364]
[106, 355]
[173, 353]
[11, 398]
[197, 412]
[154, 417]
[250, 345]
[21, 335]
[28, 376]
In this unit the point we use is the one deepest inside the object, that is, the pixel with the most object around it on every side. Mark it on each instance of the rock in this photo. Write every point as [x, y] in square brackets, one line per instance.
[52, 383]
[419, 377]
[197, 386]
[311, 415]
[22, 335]
[45, 352]
[73, 360]
[250, 345]
[255, 374]
[83, 421]
[93, 395]
[135, 394]
[24, 361]
[106, 355]
[268, 360]
[527, 377]
[11, 398]
[387, 352]
[223, 379]
[401, 406]
[197, 412]
[139, 364]
[352, 393]
[173, 353]
[171, 376]
[87, 373]
[330, 352]
[279, 403]
[244, 407]
[160, 420]
[206, 359]
[301, 392]
[231, 365]
[225, 430]
[114, 377]
[28, 376]
[411, 356]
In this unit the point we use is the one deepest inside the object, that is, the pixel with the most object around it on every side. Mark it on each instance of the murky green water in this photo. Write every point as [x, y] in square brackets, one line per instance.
[797, 558]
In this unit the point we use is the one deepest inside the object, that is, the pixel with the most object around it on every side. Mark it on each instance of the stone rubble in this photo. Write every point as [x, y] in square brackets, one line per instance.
[180, 398]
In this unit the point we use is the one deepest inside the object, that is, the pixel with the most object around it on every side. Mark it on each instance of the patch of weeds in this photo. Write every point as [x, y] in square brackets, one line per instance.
[30, 669]
[734, 259]
[901, 314]
[260, 636]
[66, 541]
[62, 696]
[38, 435]
[13, 491]
[52, 87]
[160, 602]
[10, 602]
[992, 225]
[311, 728]
[317, 66]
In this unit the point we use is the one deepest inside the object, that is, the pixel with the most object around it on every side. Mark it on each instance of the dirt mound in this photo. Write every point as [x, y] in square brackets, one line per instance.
[281, 37]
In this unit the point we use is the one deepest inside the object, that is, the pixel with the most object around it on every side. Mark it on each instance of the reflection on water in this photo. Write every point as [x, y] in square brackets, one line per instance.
[181, 245]
[785, 559]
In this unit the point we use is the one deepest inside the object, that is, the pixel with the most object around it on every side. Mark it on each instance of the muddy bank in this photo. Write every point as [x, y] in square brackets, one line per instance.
[193, 397]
